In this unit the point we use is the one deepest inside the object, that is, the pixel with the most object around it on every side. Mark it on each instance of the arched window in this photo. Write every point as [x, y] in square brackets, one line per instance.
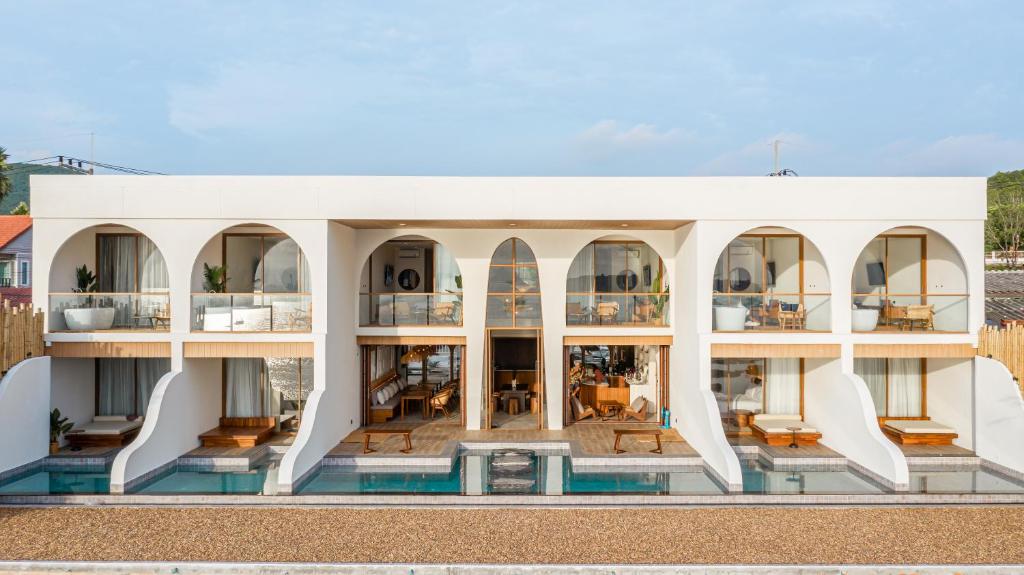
[617, 283]
[410, 280]
[513, 287]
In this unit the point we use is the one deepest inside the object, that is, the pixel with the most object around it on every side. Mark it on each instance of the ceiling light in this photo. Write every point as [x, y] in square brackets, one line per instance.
[401, 225]
[512, 225]
[624, 225]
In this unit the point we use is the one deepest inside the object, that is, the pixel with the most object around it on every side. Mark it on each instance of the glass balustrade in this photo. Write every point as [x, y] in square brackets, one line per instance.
[252, 312]
[87, 312]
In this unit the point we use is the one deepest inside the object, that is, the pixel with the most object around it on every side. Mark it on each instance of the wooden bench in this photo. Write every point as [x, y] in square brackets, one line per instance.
[654, 432]
[239, 432]
[407, 433]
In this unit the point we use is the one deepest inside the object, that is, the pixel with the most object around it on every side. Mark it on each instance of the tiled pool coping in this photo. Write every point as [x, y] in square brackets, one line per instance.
[377, 500]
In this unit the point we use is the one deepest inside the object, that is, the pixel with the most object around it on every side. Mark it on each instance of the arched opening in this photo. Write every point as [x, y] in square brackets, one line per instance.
[411, 280]
[909, 279]
[109, 277]
[771, 279]
[251, 278]
[619, 283]
[514, 387]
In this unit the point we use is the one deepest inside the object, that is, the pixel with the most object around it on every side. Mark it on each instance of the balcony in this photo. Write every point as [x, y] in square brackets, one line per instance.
[252, 312]
[595, 309]
[425, 309]
[93, 312]
[768, 312]
[908, 313]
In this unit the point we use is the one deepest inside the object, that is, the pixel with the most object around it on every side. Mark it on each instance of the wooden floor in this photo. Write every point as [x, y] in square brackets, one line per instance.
[431, 437]
[277, 439]
[784, 451]
[935, 451]
[86, 452]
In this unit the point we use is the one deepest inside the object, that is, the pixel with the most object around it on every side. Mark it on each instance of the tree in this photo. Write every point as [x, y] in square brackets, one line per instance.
[1004, 230]
[20, 210]
[5, 182]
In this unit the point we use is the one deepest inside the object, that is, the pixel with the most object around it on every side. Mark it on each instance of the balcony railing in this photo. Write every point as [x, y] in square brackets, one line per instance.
[647, 309]
[434, 309]
[772, 312]
[252, 312]
[909, 313]
[88, 312]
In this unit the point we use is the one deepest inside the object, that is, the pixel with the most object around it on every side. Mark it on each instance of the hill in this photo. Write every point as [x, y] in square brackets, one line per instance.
[18, 174]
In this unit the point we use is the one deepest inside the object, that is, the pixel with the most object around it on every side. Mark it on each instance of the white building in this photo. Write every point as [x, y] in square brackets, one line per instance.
[844, 304]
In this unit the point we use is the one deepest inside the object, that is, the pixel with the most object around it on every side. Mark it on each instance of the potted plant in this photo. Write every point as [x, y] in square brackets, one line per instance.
[87, 317]
[215, 278]
[58, 427]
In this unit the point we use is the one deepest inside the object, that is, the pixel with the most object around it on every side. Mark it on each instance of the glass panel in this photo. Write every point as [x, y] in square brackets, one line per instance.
[650, 309]
[721, 274]
[613, 309]
[527, 279]
[581, 272]
[152, 268]
[869, 271]
[904, 261]
[905, 387]
[411, 309]
[745, 265]
[649, 269]
[579, 309]
[446, 271]
[242, 258]
[251, 312]
[609, 261]
[503, 255]
[872, 371]
[782, 255]
[630, 278]
[446, 309]
[116, 264]
[280, 265]
[499, 279]
[105, 311]
[524, 255]
[499, 311]
[528, 312]
[738, 386]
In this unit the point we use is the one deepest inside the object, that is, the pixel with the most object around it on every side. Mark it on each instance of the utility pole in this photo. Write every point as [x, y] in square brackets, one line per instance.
[775, 156]
[92, 152]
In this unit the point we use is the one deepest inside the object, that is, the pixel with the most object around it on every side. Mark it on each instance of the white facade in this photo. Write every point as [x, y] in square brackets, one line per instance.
[339, 221]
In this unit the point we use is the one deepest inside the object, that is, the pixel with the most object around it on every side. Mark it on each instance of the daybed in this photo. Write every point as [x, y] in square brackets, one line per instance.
[385, 398]
[773, 430]
[918, 432]
[105, 431]
[239, 432]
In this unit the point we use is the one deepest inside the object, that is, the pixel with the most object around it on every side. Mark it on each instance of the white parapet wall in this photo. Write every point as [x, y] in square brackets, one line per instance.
[25, 413]
[184, 404]
[951, 397]
[839, 406]
[999, 415]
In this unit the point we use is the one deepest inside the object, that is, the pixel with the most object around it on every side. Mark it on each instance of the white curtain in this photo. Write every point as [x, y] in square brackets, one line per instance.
[905, 387]
[153, 268]
[243, 377]
[581, 273]
[116, 273]
[872, 371]
[445, 270]
[116, 387]
[149, 371]
[782, 386]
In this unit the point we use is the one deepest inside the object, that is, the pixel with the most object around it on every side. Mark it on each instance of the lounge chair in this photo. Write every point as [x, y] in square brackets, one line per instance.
[918, 432]
[773, 429]
[608, 312]
[239, 432]
[440, 402]
[580, 411]
[637, 410]
[105, 431]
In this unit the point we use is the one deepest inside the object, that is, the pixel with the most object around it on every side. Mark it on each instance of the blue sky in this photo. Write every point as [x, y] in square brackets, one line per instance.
[518, 88]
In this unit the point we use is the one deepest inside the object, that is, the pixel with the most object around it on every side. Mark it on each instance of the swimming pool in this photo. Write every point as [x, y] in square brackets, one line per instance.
[970, 481]
[758, 477]
[261, 479]
[59, 480]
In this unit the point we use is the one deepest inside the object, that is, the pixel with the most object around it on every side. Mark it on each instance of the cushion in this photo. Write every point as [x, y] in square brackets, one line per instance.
[380, 397]
[577, 404]
[109, 427]
[637, 403]
[911, 426]
[777, 423]
[110, 418]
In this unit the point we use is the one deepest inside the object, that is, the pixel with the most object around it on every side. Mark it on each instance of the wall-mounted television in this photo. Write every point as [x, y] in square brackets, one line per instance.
[876, 274]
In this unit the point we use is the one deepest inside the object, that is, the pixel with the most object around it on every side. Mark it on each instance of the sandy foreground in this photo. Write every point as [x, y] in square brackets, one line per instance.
[864, 535]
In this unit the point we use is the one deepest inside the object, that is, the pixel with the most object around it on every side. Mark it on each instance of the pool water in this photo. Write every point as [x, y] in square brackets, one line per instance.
[58, 480]
[485, 474]
[975, 481]
[760, 478]
[261, 479]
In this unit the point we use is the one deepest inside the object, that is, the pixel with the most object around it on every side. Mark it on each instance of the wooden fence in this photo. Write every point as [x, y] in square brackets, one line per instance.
[21, 334]
[1005, 344]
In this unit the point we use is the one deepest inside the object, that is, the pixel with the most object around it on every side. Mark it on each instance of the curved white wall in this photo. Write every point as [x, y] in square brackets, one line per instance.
[25, 413]
[999, 415]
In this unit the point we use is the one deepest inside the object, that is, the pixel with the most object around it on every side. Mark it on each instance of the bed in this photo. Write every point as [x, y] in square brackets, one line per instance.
[918, 432]
[105, 431]
[773, 429]
[240, 432]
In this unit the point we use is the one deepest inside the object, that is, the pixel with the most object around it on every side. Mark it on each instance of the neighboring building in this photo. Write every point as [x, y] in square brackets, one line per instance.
[16, 259]
[1004, 297]
[739, 311]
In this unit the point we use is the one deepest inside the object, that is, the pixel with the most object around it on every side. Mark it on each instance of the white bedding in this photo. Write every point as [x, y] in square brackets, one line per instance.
[912, 426]
[108, 425]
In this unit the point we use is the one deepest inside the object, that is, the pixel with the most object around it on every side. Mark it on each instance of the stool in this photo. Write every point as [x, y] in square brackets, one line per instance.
[534, 405]
[495, 402]
[513, 407]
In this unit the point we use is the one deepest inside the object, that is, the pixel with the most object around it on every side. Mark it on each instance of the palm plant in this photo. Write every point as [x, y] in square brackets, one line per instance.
[5, 182]
[215, 278]
[58, 425]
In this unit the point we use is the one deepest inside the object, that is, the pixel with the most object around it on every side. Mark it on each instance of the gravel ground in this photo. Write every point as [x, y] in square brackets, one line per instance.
[866, 535]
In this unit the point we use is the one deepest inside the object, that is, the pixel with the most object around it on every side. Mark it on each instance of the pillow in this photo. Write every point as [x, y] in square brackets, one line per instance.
[394, 387]
[380, 397]
[110, 418]
[756, 392]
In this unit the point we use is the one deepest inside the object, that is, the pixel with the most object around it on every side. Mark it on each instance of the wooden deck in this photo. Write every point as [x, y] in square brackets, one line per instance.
[935, 451]
[240, 452]
[804, 451]
[431, 437]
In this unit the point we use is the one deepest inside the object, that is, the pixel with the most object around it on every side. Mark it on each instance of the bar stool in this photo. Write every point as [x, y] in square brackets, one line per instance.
[513, 406]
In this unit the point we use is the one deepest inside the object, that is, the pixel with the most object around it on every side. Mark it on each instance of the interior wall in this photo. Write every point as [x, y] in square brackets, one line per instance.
[212, 255]
[950, 396]
[24, 402]
[73, 389]
[184, 404]
[839, 406]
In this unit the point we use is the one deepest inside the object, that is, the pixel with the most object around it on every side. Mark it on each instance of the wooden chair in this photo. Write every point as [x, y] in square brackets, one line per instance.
[443, 312]
[580, 411]
[608, 312]
[893, 314]
[576, 313]
[637, 410]
[440, 403]
[793, 318]
[924, 314]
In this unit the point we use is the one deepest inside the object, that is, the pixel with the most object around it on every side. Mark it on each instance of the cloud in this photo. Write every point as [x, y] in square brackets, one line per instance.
[961, 155]
[755, 158]
[607, 136]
